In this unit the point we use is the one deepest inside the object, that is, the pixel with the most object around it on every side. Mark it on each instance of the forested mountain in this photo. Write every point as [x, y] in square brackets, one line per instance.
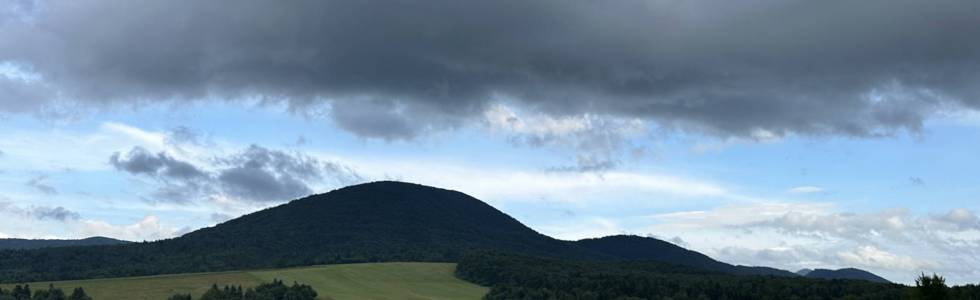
[373, 222]
[36, 244]
[381, 221]
[631, 247]
[847, 273]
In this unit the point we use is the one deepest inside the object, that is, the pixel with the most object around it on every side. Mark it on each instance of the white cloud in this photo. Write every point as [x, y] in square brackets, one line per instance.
[872, 257]
[41, 222]
[487, 182]
[147, 229]
[502, 117]
[893, 243]
[45, 150]
[599, 142]
[805, 190]
[736, 214]
[155, 140]
[19, 72]
[576, 229]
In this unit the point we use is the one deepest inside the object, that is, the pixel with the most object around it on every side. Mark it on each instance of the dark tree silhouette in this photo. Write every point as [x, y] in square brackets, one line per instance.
[931, 287]
[79, 294]
[275, 290]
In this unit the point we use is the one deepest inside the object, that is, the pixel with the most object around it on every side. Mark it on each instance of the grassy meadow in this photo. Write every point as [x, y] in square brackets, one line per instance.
[401, 281]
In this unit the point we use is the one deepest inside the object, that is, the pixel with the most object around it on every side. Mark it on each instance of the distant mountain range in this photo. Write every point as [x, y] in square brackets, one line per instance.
[631, 247]
[846, 273]
[23, 244]
[373, 222]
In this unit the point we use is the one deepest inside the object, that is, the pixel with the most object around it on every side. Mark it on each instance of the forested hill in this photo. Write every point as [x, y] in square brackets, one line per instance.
[36, 244]
[847, 273]
[374, 222]
[631, 247]
[382, 221]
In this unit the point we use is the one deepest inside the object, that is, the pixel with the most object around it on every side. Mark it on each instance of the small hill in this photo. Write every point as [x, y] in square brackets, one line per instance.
[846, 273]
[803, 272]
[22, 244]
[631, 247]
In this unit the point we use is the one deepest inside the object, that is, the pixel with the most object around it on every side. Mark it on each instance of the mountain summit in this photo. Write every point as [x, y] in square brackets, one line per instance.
[381, 221]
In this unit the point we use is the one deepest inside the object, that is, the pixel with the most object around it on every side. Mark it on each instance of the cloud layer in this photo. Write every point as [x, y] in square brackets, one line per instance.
[256, 174]
[894, 242]
[750, 67]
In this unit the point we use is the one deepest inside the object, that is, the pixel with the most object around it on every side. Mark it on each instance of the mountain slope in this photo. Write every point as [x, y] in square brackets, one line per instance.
[381, 221]
[21, 244]
[631, 247]
[846, 273]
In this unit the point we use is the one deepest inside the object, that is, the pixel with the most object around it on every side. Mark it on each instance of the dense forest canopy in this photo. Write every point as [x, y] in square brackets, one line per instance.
[524, 277]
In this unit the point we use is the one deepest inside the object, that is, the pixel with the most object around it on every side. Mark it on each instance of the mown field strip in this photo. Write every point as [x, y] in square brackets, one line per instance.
[379, 281]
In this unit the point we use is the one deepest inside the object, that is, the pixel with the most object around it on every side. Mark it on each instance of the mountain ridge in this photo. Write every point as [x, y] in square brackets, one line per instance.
[846, 273]
[372, 222]
[632, 247]
[28, 244]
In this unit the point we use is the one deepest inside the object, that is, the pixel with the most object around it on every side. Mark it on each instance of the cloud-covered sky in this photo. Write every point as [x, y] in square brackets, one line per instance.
[784, 133]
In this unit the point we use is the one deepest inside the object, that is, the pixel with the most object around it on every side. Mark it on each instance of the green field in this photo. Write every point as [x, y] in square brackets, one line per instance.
[340, 282]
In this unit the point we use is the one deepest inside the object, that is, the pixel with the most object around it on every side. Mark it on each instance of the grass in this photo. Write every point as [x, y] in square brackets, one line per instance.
[379, 281]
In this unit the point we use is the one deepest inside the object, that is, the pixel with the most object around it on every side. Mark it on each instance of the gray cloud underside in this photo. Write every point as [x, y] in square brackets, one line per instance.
[39, 184]
[40, 212]
[256, 174]
[393, 69]
[54, 213]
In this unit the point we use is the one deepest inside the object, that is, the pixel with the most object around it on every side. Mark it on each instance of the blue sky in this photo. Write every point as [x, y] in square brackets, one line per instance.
[926, 175]
[816, 135]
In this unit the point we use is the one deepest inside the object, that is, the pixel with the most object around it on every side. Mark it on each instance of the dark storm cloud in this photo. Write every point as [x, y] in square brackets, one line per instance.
[180, 181]
[255, 174]
[394, 69]
[139, 161]
[260, 174]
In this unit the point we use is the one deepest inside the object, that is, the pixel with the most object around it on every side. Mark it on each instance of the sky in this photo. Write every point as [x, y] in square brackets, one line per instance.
[792, 134]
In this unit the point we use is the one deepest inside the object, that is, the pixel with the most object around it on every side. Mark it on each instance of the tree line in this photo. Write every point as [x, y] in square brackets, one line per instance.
[274, 290]
[512, 276]
[51, 293]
